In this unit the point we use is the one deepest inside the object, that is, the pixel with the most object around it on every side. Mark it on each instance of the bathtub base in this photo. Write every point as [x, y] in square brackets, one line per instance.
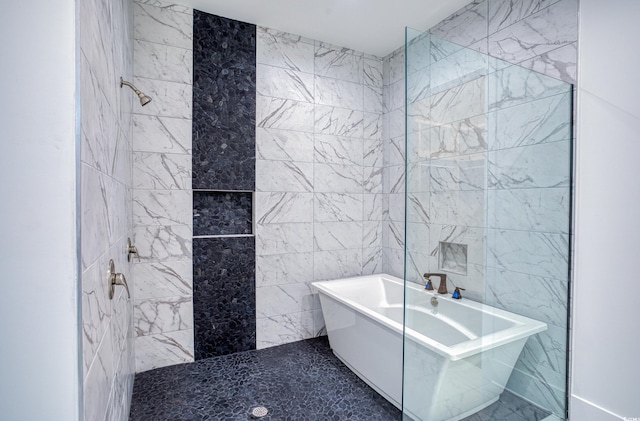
[369, 383]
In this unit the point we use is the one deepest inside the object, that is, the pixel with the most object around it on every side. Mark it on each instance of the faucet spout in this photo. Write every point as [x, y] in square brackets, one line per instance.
[442, 289]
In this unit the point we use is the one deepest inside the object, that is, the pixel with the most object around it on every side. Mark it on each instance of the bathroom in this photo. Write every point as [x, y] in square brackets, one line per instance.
[128, 173]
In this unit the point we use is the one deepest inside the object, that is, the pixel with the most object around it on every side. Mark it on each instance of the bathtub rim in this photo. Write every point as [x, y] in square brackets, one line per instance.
[524, 326]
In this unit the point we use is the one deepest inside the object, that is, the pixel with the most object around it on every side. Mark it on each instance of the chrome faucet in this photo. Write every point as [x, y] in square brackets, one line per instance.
[442, 288]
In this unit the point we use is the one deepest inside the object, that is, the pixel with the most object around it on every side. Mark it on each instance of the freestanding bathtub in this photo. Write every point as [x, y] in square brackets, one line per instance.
[458, 355]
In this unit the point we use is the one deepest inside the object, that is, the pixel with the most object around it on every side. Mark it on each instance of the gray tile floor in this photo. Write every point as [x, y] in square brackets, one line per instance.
[298, 381]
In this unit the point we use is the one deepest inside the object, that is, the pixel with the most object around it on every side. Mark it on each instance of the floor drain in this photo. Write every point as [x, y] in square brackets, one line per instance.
[259, 412]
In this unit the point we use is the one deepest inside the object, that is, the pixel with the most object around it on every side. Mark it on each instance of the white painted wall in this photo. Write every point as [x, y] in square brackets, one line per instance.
[39, 350]
[606, 336]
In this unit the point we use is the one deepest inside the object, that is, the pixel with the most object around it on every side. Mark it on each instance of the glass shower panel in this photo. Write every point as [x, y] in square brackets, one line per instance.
[487, 209]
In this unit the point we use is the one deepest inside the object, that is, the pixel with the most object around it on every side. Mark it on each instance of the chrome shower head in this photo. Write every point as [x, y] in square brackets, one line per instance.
[144, 99]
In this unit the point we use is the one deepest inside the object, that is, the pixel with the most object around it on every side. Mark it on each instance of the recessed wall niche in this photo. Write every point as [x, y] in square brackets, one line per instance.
[222, 213]
[453, 257]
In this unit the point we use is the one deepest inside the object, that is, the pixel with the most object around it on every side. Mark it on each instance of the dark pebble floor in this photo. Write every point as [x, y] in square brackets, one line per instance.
[298, 381]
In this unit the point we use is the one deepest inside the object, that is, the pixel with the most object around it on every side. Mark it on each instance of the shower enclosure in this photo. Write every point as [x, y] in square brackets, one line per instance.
[488, 157]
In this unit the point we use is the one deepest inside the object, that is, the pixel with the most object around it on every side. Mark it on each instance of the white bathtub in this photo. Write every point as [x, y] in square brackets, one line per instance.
[458, 355]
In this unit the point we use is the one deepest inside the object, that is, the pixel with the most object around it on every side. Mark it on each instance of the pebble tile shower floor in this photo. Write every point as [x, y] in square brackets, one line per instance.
[296, 382]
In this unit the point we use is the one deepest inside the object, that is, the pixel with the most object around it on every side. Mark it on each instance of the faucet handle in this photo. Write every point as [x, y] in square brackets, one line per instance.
[457, 294]
[442, 289]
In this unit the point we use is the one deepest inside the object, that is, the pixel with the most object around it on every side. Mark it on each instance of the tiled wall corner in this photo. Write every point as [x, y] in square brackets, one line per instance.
[106, 53]
[318, 177]
[162, 196]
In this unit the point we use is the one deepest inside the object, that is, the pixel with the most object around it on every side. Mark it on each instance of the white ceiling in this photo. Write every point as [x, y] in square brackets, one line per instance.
[373, 26]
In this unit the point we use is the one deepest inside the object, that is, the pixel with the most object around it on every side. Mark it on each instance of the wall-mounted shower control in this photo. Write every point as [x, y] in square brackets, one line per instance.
[131, 249]
[116, 279]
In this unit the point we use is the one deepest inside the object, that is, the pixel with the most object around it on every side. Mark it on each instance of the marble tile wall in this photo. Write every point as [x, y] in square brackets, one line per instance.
[318, 205]
[495, 178]
[162, 195]
[106, 53]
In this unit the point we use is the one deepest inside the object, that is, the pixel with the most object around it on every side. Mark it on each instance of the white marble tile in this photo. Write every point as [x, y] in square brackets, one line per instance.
[339, 93]
[282, 207]
[396, 94]
[372, 72]
[396, 211]
[464, 207]
[459, 103]
[466, 172]
[537, 166]
[418, 87]
[337, 264]
[284, 176]
[465, 26]
[551, 28]
[334, 178]
[329, 149]
[373, 99]
[163, 62]
[339, 63]
[373, 153]
[534, 253]
[393, 179]
[284, 238]
[545, 210]
[372, 126]
[161, 134]
[286, 328]
[162, 279]
[279, 269]
[396, 65]
[276, 300]
[337, 207]
[393, 235]
[393, 262]
[545, 120]
[417, 263]
[284, 50]
[462, 137]
[419, 57]
[97, 383]
[94, 33]
[162, 207]
[284, 145]
[560, 63]
[163, 244]
[372, 261]
[161, 315]
[547, 350]
[440, 49]
[95, 215]
[473, 238]
[396, 149]
[373, 208]
[540, 298]
[161, 171]
[171, 99]
[503, 13]
[284, 83]
[371, 234]
[373, 179]
[167, 5]
[417, 236]
[337, 235]
[516, 85]
[396, 124]
[96, 310]
[338, 121]
[419, 177]
[162, 25]
[276, 113]
[98, 122]
[161, 350]
[538, 392]
[460, 67]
